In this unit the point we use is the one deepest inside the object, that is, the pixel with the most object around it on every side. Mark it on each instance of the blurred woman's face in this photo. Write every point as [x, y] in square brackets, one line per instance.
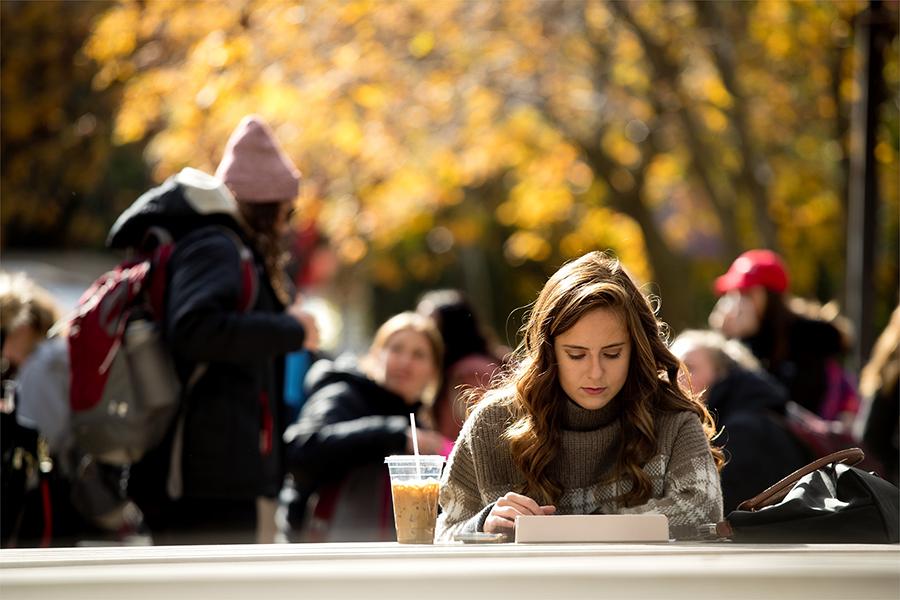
[737, 313]
[700, 365]
[408, 364]
[285, 215]
[19, 344]
[592, 357]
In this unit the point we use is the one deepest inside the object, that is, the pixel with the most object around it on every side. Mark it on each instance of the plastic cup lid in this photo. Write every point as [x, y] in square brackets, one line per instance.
[411, 459]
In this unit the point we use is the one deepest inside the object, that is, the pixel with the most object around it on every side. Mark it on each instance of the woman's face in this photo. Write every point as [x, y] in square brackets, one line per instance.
[283, 220]
[19, 344]
[699, 363]
[408, 364]
[737, 313]
[593, 357]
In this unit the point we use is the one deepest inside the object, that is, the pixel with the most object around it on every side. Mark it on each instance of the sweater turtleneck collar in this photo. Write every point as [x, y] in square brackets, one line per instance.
[576, 418]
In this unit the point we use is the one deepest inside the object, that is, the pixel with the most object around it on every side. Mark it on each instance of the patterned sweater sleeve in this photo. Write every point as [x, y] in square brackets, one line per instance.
[692, 491]
[462, 510]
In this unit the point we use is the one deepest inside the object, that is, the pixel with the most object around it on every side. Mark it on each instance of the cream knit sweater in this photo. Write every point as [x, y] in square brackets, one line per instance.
[685, 482]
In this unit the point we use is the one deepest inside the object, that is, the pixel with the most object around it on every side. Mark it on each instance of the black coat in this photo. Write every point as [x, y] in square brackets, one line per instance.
[348, 421]
[234, 412]
[760, 451]
[810, 344]
[337, 448]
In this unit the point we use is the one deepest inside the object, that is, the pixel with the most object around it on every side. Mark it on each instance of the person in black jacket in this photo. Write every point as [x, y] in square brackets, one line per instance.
[223, 463]
[356, 415]
[747, 405]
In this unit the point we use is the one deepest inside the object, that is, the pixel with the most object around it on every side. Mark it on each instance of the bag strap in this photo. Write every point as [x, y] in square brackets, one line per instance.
[174, 480]
[776, 492]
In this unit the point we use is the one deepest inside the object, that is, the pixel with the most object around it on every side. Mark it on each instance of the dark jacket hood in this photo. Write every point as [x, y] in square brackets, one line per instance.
[182, 203]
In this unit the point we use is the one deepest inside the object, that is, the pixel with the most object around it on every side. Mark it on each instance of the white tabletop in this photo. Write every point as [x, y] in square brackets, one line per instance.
[369, 571]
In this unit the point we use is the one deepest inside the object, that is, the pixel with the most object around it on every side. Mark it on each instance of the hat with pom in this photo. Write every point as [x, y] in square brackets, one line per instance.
[254, 166]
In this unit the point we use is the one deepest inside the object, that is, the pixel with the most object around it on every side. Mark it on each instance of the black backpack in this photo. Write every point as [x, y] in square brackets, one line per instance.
[827, 501]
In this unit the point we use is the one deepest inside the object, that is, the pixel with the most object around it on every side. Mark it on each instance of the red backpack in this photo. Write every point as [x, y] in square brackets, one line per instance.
[124, 391]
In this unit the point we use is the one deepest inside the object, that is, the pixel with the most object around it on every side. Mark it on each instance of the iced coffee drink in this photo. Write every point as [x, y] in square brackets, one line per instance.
[414, 489]
[415, 510]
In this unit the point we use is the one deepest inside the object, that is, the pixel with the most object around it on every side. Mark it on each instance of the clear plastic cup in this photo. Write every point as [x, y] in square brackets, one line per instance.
[415, 495]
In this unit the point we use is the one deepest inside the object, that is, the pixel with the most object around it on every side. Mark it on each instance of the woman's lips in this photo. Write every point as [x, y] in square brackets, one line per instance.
[594, 391]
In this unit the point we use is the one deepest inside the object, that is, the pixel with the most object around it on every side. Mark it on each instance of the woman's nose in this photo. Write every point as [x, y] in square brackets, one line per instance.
[402, 360]
[596, 368]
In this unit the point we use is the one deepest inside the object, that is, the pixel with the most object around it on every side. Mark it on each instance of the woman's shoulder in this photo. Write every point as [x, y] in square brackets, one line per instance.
[211, 245]
[490, 416]
[671, 424]
[343, 377]
[815, 337]
[680, 432]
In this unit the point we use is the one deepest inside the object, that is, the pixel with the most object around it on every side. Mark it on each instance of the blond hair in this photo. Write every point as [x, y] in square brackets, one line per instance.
[23, 302]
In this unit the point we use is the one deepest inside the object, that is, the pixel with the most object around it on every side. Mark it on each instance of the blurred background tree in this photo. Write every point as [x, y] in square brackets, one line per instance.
[480, 144]
[62, 178]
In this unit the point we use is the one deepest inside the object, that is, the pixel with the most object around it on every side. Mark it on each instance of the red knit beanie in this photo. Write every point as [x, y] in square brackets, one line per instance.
[254, 166]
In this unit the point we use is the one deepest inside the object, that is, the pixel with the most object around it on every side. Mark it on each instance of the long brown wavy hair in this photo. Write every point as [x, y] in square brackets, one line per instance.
[531, 389]
[259, 221]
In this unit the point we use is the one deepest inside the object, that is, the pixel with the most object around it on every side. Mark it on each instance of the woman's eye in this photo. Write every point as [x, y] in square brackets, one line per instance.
[612, 356]
[576, 356]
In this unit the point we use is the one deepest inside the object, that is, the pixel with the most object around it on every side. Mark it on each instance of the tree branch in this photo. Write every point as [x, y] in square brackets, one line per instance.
[722, 200]
[723, 56]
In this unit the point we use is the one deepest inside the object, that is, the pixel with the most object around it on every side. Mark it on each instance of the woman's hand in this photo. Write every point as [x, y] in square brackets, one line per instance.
[502, 518]
[308, 321]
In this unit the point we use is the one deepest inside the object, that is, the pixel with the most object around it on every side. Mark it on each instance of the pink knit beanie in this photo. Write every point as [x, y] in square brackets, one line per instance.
[254, 166]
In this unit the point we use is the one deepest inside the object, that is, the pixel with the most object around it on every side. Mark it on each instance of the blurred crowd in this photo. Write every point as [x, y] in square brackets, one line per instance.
[273, 439]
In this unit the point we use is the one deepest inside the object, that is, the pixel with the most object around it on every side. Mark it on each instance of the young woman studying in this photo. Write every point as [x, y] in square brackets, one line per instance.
[589, 418]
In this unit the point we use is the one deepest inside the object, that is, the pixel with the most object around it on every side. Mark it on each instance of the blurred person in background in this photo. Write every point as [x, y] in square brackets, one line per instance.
[801, 349]
[27, 312]
[469, 359]
[216, 478]
[878, 423]
[357, 413]
[38, 458]
[743, 400]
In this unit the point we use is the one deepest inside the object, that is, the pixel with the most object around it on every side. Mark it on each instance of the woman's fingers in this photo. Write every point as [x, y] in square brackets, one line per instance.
[498, 525]
[503, 515]
[524, 504]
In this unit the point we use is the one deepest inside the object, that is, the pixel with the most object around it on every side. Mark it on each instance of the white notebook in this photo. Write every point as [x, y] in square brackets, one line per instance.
[592, 528]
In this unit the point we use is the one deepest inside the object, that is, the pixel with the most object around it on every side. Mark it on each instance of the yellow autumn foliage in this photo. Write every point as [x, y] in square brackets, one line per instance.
[535, 129]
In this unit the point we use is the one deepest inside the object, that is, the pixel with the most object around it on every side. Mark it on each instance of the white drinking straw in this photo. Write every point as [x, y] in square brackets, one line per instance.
[415, 439]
